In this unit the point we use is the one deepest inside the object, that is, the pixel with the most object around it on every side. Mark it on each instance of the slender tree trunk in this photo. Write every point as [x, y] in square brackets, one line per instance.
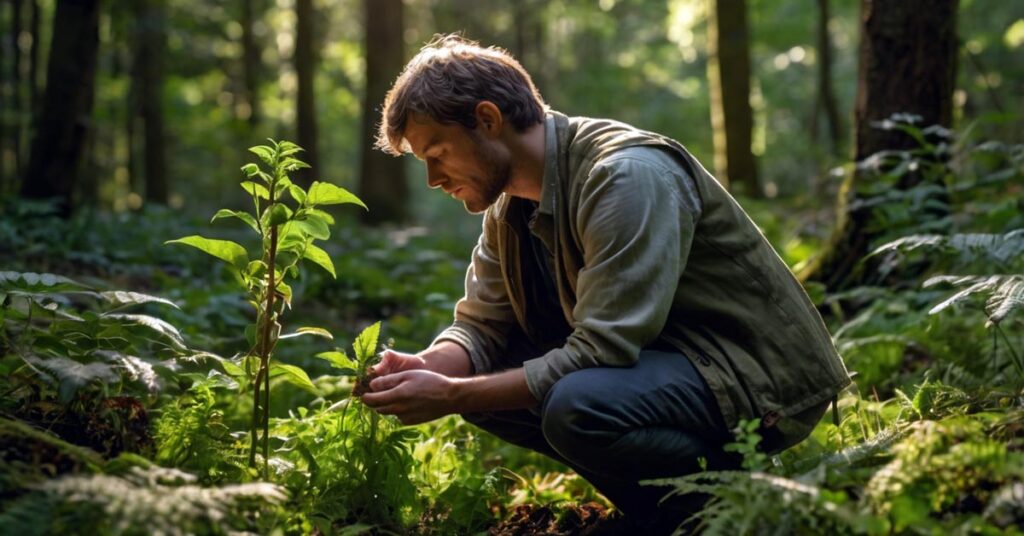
[907, 64]
[305, 67]
[732, 118]
[250, 62]
[382, 182]
[17, 103]
[826, 99]
[66, 114]
[151, 39]
[33, 62]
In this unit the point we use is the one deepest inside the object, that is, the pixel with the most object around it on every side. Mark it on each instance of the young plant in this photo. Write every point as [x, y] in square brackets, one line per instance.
[287, 230]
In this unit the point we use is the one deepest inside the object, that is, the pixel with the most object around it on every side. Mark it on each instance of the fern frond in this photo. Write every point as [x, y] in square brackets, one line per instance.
[966, 247]
[1004, 293]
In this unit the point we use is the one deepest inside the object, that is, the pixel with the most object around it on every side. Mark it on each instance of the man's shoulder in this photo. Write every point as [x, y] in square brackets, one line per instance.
[606, 141]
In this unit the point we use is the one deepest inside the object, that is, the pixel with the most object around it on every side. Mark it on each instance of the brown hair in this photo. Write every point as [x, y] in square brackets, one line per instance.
[445, 82]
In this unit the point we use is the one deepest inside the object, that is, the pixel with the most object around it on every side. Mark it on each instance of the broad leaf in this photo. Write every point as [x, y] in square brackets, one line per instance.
[294, 375]
[337, 359]
[244, 216]
[265, 153]
[120, 297]
[324, 193]
[225, 250]
[256, 190]
[365, 344]
[321, 258]
[250, 169]
[319, 332]
[161, 327]
[72, 375]
[31, 281]
[315, 227]
[276, 214]
[297, 193]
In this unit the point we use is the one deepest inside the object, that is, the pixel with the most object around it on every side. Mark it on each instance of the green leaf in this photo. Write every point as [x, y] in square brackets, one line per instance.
[324, 193]
[315, 227]
[265, 153]
[321, 258]
[120, 297]
[291, 164]
[276, 214]
[319, 332]
[366, 343]
[297, 193]
[250, 169]
[337, 358]
[256, 189]
[225, 250]
[321, 214]
[162, 327]
[244, 216]
[31, 281]
[293, 375]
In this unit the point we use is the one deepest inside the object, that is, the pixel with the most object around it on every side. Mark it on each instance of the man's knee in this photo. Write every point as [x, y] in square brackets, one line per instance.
[567, 417]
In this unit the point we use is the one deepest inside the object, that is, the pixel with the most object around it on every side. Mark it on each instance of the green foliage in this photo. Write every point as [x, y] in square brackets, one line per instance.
[286, 234]
[191, 434]
[143, 500]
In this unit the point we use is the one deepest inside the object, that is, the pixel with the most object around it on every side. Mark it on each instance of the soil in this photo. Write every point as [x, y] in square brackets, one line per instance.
[362, 385]
[589, 519]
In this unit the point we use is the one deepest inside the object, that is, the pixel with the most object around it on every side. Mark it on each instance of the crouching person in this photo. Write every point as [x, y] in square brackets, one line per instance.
[621, 313]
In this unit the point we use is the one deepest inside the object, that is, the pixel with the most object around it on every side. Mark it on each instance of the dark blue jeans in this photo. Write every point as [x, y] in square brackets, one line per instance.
[617, 426]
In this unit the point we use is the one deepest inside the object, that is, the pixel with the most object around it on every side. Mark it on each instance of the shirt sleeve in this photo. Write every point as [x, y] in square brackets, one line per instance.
[484, 316]
[636, 231]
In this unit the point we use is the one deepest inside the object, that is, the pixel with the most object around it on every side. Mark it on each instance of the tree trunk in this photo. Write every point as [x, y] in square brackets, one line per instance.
[732, 118]
[305, 59]
[382, 181]
[33, 61]
[17, 103]
[149, 71]
[826, 99]
[66, 114]
[907, 64]
[250, 62]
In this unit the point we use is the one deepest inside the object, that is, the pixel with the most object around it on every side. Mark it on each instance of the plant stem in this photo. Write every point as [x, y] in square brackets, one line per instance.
[265, 346]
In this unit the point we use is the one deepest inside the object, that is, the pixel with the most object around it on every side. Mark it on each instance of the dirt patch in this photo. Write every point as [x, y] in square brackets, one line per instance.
[585, 519]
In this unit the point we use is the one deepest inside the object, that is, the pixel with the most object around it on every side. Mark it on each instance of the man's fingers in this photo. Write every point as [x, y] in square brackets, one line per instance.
[388, 361]
[387, 381]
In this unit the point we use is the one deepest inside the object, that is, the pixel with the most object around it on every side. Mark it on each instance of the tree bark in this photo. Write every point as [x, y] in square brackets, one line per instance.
[305, 59]
[33, 62]
[382, 180]
[732, 118]
[66, 114]
[17, 104]
[826, 99]
[151, 46]
[251, 62]
[907, 64]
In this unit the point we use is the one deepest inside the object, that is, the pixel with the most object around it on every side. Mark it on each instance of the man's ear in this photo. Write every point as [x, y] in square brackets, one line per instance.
[489, 119]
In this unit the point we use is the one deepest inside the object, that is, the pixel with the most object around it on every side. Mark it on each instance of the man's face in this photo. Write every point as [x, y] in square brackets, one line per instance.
[466, 165]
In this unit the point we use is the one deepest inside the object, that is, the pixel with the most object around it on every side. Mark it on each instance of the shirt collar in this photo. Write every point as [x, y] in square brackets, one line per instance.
[548, 184]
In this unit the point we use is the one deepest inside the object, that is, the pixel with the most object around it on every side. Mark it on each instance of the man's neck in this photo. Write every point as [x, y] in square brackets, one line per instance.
[526, 150]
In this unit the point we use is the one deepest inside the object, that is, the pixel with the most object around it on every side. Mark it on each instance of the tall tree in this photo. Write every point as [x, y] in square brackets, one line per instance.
[732, 118]
[382, 182]
[66, 113]
[907, 64]
[826, 99]
[151, 44]
[305, 67]
[17, 103]
[251, 60]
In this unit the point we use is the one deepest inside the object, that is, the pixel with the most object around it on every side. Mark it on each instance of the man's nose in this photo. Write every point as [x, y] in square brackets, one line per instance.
[434, 177]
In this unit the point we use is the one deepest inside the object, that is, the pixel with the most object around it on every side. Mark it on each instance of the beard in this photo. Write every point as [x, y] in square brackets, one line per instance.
[497, 172]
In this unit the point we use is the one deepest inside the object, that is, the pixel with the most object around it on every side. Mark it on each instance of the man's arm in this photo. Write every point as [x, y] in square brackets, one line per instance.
[421, 395]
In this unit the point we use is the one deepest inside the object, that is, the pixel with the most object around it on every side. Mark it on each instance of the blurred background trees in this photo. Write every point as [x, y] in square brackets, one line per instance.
[117, 105]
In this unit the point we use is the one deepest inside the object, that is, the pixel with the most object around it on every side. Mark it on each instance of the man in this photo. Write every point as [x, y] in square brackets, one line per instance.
[622, 313]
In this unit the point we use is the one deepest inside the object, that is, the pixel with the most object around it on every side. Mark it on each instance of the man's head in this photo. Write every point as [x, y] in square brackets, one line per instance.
[449, 107]
[445, 82]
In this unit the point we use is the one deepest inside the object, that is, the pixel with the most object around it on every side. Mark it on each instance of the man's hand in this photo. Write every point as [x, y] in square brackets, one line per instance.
[413, 395]
[392, 362]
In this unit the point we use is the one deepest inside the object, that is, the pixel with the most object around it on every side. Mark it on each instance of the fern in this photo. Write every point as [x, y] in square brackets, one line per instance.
[1004, 294]
[151, 500]
[965, 248]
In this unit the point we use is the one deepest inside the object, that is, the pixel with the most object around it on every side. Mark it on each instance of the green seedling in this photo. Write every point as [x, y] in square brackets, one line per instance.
[287, 225]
